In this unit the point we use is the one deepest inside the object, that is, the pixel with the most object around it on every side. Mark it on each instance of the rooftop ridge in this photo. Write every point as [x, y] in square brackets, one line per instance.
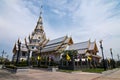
[82, 42]
[58, 38]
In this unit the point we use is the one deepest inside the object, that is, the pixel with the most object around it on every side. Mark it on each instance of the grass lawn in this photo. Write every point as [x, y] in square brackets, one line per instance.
[68, 71]
[97, 70]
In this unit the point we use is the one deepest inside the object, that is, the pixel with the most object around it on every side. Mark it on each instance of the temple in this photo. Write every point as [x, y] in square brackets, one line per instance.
[37, 46]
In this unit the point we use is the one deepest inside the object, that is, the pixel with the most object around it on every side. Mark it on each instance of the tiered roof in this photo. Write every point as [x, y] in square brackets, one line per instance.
[83, 47]
[80, 46]
[56, 44]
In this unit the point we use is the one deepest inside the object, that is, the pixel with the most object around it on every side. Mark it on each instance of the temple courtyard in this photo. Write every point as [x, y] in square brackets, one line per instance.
[37, 74]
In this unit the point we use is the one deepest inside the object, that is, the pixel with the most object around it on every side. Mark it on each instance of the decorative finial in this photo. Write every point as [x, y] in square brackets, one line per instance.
[100, 41]
[18, 41]
[41, 10]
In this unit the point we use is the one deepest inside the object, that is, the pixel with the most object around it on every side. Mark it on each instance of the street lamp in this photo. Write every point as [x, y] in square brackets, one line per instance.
[113, 64]
[18, 53]
[102, 55]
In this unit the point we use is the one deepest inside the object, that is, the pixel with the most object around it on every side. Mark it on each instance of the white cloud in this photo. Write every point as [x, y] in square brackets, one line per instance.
[93, 19]
[59, 13]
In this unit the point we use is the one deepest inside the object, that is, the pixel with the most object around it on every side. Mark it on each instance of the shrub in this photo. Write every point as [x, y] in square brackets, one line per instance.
[11, 66]
[21, 64]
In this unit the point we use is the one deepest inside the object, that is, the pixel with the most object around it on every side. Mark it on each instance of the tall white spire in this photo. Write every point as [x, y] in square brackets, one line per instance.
[39, 25]
[38, 34]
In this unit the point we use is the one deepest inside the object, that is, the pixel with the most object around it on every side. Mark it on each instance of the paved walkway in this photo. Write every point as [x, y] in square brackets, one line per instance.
[46, 75]
[110, 75]
[33, 74]
[4, 75]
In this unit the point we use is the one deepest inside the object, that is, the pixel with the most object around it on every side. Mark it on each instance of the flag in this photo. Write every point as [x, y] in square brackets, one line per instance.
[38, 57]
[67, 57]
[89, 57]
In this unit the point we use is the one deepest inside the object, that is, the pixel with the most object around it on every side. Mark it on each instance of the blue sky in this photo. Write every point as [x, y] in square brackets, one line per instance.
[81, 19]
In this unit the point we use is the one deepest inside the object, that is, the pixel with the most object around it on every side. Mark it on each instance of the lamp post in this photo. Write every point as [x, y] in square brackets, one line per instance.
[102, 55]
[18, 53]
[113, 64]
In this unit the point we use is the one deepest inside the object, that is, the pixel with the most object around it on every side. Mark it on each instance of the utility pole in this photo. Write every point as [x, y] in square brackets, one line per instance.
[104, 65]
[113, 62]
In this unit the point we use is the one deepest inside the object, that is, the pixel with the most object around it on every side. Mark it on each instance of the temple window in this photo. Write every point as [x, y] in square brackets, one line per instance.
[23, 53]
[32, 47]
